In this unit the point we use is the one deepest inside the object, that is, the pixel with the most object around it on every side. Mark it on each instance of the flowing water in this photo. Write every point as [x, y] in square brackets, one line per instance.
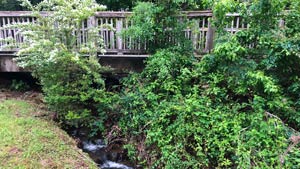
[105, 157]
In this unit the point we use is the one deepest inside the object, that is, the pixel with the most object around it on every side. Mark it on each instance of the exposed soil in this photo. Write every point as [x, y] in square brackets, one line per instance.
[33, 94]
[30, 96]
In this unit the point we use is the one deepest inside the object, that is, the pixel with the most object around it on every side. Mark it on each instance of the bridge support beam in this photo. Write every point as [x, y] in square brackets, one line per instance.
[123, 64]
[7, 64]
[119, 64]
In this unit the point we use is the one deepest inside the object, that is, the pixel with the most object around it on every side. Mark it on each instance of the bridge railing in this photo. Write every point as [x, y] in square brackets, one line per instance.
[201, 33]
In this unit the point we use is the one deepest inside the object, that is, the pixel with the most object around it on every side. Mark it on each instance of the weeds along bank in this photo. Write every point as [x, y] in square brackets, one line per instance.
[45, 146]
[235, 107]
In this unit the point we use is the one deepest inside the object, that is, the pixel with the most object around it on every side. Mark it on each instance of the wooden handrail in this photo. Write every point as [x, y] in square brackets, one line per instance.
[19, 13]
[201, 33]
[117, 14]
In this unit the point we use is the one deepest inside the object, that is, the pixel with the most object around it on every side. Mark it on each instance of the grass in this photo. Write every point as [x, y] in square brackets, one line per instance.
[27, 141]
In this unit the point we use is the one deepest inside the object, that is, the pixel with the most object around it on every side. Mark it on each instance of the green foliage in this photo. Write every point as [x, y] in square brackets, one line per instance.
[264, 14]
[220, 8]
[158, 25]
[117, 5]
[69, 73]
[19, 85]
[114, 5]
[291, 18]
[188, 115]
[235, 108]
[260, 14]
[14, 5]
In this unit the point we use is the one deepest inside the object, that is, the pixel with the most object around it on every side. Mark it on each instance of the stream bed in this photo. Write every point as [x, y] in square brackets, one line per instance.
[106, 157]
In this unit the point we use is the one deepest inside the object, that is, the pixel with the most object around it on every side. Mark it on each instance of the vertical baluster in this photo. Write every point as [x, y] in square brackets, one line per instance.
[18, 33]
[238, 23]
[242, 21]
[14, 31]
[232, 25]
[101, 28]
[203, 37]
[9, 36]
[125, 42]
[107, 33]
[119, 26]
[128, 45]
[9, 29]
[132, 41]
[21, 37]
[98, 28]
[104, 34]
[1, 33]
[209, 38]
[281, 23]
[185, 33]
[27, 21]
[78, 37]
[83, 32]
[198, 32]
[4, 30]
[112, 34]
[195, 33]
[139, 44]
[91, 23]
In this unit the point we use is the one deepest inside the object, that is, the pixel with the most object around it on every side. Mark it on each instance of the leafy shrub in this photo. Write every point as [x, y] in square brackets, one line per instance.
[19, 85]
[157, 25]
[235, 108]
[182, 116]
[68, 71]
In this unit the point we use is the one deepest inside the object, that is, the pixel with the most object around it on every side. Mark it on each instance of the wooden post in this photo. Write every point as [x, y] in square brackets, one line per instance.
[281, 23]
[1, 34]
[91, 23]
[112, 34]
[209, 38]
[4, 31]
[195, 32]
[119, 27]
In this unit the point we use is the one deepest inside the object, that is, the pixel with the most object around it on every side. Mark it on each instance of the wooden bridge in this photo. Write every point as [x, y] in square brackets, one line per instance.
[201, 33]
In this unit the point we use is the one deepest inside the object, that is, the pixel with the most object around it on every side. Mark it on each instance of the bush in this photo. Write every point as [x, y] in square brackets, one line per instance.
[237, 107]
[68, 72]
[157, 26]
[19, 85]
[177, 114]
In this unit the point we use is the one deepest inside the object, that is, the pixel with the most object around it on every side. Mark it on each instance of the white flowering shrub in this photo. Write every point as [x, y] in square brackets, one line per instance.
[67, 68]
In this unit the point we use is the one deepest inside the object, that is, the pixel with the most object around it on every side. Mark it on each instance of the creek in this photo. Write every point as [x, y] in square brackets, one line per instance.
[107, 157]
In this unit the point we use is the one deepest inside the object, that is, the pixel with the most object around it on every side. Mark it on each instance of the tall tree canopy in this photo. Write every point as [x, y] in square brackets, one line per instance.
[112, 5]
[14, 5]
